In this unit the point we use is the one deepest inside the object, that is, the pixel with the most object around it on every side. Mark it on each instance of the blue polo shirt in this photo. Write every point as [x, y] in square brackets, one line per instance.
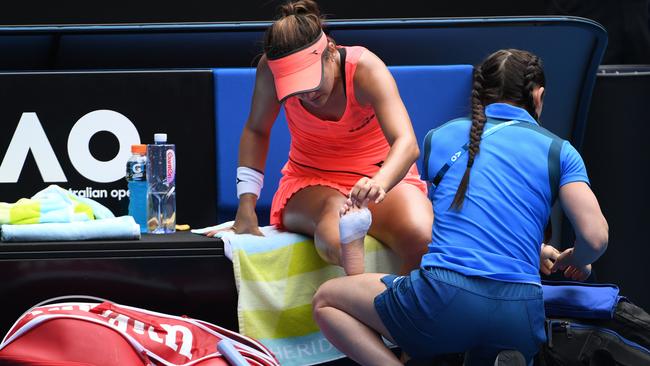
[513, 184]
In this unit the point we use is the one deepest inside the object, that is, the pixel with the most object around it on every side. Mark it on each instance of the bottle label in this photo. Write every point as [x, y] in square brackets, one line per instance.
[170, 158]
[135, 170]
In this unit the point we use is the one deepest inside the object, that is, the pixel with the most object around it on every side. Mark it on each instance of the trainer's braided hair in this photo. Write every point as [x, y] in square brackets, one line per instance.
[475, 133]
[299, 23]
[508, 76]
[532, 77]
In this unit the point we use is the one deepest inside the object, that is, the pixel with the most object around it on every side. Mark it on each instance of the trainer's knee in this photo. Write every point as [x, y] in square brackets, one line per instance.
[323, 296]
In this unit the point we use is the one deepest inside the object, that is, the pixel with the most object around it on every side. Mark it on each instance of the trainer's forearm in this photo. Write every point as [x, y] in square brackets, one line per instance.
[591, 243]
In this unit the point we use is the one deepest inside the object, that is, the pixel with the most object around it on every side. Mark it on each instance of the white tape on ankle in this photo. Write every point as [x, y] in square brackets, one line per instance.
[354, 225]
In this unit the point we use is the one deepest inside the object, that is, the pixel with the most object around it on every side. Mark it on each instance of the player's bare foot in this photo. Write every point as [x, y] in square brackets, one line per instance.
[354, 224]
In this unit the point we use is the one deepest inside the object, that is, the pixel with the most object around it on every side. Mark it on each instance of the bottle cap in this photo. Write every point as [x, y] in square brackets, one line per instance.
[160, 138]
[139, 149]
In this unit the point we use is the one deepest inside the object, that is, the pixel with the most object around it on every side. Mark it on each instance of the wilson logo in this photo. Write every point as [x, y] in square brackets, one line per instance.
[138, 329]
[177, 337]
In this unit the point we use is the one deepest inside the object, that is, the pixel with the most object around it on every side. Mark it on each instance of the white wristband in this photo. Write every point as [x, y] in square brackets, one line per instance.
[249, 181]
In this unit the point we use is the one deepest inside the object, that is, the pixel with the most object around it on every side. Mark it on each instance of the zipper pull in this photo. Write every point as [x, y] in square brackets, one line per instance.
[567, 329]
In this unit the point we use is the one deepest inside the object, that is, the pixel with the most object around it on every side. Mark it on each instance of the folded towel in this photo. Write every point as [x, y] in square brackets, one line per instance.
[117, 228]
[53, 204]
[276, 276]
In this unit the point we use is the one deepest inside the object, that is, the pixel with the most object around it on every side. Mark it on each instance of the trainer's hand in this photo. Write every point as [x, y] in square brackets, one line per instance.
[571, 269]
[365, 190]
[547, 256]
[578, 273]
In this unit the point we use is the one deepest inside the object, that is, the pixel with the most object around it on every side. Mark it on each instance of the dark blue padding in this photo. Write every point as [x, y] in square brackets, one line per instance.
[432, 95]
[571, 47]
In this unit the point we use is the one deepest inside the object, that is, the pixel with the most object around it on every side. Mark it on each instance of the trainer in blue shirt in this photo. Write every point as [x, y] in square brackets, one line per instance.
[477, 290]
[498, 232]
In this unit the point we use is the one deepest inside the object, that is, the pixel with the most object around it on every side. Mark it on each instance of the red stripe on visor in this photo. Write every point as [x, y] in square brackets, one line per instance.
[300, 71]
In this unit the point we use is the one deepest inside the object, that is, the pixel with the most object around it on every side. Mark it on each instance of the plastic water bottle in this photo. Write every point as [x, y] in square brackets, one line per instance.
[136, 176]
[161, 186]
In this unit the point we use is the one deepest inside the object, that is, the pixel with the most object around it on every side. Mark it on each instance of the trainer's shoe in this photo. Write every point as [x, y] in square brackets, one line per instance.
[510, 358]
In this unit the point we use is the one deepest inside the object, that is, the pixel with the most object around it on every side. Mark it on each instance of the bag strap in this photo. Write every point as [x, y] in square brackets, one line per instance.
[455, 156]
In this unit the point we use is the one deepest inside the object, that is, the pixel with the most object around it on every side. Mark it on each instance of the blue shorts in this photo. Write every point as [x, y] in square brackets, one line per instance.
[438, 311]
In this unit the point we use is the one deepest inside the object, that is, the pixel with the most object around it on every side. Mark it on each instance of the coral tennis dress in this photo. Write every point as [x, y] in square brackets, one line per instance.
[330, 153]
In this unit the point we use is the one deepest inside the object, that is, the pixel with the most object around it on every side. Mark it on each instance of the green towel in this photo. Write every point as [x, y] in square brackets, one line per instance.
[53, 204]
[277, 276]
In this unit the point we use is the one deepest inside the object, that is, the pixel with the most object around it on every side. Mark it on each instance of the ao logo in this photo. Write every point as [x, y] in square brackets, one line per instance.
[29, 135]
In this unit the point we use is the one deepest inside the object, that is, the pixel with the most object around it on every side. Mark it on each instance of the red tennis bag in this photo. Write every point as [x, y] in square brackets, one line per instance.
[108, 334]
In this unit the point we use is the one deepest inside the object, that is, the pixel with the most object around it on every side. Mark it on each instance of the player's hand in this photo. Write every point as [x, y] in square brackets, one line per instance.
[367, 190]
[245, 223]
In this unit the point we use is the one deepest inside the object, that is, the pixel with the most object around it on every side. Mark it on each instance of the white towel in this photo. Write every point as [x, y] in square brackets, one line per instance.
[118, 228]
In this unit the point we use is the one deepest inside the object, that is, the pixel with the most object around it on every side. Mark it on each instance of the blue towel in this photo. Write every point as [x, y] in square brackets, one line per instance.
[118, 228]
[580, 300]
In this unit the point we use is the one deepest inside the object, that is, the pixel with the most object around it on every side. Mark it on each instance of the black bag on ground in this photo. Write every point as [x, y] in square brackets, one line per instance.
[573, 343]
[616, 333]
[630, 321]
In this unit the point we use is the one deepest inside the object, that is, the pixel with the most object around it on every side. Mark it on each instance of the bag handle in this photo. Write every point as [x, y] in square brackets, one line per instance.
[67, 297]
[55, 299]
